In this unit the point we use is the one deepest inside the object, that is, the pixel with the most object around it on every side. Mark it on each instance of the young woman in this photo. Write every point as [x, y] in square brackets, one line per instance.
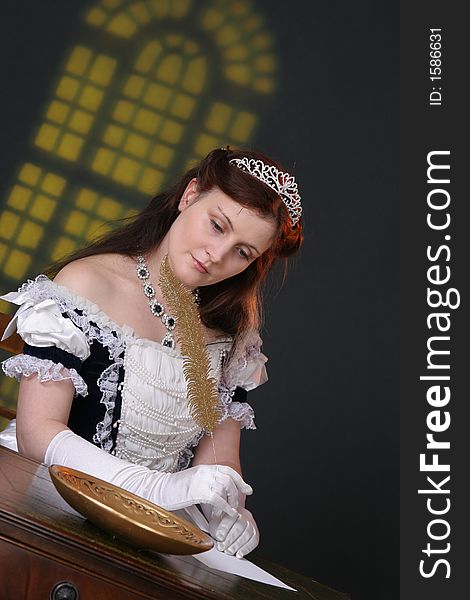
[102, 387]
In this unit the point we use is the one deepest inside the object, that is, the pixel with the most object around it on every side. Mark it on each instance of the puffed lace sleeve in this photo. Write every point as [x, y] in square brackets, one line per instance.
[54, 346]
[244, 371]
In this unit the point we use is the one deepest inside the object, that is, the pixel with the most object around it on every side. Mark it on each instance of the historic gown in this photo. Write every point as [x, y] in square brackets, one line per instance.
[130, 393]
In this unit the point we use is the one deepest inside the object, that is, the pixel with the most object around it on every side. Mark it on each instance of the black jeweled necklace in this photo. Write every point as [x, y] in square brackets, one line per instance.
[156, 307]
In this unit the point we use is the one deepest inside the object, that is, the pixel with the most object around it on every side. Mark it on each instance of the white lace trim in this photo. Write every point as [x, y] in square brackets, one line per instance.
[24, 364]
[245, 366]
[108, 384]
[43, 288]
[232, 377]
[239, 411]
[96, 326]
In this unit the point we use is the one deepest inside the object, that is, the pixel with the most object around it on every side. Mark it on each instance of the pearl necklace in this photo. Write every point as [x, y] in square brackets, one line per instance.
[156, 307]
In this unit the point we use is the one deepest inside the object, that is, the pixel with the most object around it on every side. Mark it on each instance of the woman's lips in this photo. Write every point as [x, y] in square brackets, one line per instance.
[199, 266]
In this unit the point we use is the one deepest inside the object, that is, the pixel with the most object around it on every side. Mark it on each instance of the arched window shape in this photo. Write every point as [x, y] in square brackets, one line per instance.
[147, 87]
[153, 114]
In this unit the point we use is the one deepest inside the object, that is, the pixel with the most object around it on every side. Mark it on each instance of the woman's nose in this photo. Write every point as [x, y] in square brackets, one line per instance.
[216, 252]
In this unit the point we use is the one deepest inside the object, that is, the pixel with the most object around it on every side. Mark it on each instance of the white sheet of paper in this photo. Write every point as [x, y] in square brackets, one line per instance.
[238, 566]
[224, 562]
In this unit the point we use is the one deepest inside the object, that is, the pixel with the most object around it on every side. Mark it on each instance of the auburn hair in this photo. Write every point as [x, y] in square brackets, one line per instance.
[234, 305]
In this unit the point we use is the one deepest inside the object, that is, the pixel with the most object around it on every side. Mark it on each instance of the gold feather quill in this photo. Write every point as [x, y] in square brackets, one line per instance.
[203, 399]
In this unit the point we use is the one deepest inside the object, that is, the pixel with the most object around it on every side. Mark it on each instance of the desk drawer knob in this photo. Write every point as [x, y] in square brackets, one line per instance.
[64, 590]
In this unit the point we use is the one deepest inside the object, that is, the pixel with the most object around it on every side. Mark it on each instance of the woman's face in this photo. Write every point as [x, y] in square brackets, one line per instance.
[214, 237]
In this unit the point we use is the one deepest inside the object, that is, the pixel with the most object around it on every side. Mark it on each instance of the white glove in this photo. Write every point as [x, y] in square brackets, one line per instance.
[215, 485]
[237, 535]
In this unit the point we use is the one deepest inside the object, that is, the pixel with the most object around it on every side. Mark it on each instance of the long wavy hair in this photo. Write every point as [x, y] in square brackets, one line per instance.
[234, 305]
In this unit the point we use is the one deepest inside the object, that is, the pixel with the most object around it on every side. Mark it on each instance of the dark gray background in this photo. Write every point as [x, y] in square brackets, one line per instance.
[324, 461]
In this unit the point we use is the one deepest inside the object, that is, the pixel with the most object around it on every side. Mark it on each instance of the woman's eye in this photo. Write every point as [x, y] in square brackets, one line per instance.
[216, 226]
[243, 254]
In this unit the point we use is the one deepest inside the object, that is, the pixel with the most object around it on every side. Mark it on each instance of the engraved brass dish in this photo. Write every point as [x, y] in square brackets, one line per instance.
[127, 516]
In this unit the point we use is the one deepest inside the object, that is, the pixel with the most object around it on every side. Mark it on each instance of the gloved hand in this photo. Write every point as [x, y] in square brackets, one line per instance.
[237, 535]
[234, 535]
[215, 485]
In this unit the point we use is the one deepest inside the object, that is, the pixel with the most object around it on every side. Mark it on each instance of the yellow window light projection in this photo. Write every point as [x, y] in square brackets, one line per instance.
[246, 46]
[124, 19]
[30, 206]
[89, 216]
[125, 117]
[78, 95]
[149, 118]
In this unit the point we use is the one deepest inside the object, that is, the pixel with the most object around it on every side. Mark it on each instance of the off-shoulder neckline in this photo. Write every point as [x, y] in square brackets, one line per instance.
[83, 303]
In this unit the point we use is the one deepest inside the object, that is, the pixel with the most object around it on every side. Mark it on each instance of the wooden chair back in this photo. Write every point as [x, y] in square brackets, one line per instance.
[13, 344]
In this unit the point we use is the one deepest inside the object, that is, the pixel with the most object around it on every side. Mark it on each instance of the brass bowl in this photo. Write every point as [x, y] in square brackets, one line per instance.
[127, 516]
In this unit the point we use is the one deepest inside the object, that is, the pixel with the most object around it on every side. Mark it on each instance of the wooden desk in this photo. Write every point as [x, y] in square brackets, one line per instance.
[42, 544]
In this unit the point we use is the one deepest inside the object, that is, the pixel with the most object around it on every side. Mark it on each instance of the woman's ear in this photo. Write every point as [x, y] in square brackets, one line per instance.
[190, 194]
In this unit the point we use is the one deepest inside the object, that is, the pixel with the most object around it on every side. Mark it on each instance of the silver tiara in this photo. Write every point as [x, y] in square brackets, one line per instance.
[282, 183]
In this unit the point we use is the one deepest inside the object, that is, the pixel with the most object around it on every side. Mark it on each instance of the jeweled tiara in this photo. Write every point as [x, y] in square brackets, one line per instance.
[282, 183]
